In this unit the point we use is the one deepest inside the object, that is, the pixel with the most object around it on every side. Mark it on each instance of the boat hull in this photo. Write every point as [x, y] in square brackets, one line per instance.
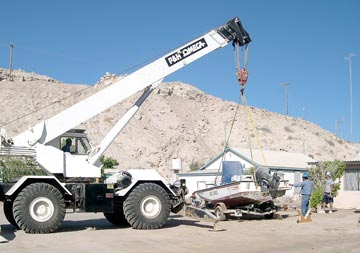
[233, 195]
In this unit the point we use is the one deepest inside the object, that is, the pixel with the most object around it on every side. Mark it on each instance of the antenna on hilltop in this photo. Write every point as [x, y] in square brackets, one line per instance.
[10, 65]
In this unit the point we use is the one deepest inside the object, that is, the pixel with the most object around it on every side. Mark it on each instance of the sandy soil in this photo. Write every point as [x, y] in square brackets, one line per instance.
[336, 232]
[177, 121]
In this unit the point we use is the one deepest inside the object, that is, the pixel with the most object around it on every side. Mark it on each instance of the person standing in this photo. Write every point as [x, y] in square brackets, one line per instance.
[328, 198]
[306, 191]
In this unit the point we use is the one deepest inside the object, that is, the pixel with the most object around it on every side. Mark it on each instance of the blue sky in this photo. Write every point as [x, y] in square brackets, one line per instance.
[303, 43]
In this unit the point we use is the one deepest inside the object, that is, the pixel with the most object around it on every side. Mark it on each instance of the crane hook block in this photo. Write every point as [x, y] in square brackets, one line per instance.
[242, 76]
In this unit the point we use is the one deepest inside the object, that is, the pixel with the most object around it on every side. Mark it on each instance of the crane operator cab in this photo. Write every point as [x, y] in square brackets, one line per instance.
[74, 141]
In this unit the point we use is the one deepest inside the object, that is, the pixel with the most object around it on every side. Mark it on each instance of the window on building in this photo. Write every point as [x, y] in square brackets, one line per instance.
[351, 182]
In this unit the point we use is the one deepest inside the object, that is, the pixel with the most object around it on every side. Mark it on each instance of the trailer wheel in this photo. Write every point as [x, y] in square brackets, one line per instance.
[219, 213]
[147, 207]
[9, 214]
[117, 217]
[39, 208]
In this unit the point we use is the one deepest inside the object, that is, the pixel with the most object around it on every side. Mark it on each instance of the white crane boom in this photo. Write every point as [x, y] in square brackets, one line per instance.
[49, 129]
[146, 78]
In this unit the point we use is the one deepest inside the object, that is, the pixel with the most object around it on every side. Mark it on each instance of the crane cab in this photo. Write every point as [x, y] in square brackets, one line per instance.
[80, 144]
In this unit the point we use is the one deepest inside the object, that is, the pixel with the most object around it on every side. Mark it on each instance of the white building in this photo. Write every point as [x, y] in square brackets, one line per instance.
[349, 193]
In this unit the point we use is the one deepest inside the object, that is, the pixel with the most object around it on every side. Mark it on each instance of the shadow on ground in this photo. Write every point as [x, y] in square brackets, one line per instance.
[8, 233]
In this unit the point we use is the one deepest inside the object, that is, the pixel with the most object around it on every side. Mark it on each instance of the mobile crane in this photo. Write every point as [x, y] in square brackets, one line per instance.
[140, 198]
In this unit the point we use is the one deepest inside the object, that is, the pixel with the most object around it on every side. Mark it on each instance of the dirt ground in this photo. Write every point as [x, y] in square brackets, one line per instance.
[88, 232]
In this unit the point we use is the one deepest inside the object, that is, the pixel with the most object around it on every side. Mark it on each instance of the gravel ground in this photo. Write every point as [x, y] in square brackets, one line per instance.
[88, 232]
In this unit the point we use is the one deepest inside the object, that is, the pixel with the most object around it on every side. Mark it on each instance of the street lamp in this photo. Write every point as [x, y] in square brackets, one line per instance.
[286, 85]
[349, 59]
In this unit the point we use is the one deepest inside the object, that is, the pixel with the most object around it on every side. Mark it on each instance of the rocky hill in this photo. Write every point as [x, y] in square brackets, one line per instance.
[178, 121]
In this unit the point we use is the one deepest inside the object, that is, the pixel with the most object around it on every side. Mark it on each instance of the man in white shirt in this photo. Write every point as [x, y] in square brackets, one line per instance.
[328, 191]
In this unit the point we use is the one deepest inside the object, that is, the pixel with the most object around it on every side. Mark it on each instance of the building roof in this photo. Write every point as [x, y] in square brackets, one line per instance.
[272, 158]
[267, 158]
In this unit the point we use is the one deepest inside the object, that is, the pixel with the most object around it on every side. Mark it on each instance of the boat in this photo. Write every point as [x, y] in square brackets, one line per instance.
[251, 194]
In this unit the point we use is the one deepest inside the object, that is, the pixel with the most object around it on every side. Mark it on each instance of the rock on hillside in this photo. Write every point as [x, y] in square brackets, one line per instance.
[177, 121]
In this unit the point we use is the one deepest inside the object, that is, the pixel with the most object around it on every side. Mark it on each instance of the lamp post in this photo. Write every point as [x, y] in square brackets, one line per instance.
[286, 85]
[350, 74]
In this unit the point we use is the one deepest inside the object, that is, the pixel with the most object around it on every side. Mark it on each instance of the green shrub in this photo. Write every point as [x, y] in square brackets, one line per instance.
[195, 166]
[317, 175]
[12, 168]
[316, 197]
[108, 162]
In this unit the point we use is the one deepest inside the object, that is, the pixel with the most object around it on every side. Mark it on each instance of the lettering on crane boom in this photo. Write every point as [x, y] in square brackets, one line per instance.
[186, 52]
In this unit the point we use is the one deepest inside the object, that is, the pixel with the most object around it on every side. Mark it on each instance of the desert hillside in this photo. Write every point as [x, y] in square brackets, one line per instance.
[177, 121]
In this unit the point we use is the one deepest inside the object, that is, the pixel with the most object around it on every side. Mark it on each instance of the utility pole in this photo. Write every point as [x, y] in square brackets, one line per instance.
[349, 59]
[10, 65]
[286, 85]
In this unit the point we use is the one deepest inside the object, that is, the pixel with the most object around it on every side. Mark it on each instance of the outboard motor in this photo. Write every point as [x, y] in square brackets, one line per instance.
[267, 181]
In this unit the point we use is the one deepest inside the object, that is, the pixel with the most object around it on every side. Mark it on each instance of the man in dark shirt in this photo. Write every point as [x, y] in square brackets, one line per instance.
[306, 190]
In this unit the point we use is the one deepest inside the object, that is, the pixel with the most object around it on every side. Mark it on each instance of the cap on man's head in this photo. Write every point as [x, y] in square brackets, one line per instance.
[305, 175]
[328, 173]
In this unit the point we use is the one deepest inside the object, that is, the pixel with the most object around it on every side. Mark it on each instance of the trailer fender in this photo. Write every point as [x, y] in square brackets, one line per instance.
[26, 180]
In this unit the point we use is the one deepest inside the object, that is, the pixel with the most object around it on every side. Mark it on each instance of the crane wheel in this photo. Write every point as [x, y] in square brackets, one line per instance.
[39, 208]
[147, 206]
[9, 214]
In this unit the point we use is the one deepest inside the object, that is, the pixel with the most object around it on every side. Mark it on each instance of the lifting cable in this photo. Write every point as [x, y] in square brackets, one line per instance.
[242, 76]
[227, 139]
[248, 112]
